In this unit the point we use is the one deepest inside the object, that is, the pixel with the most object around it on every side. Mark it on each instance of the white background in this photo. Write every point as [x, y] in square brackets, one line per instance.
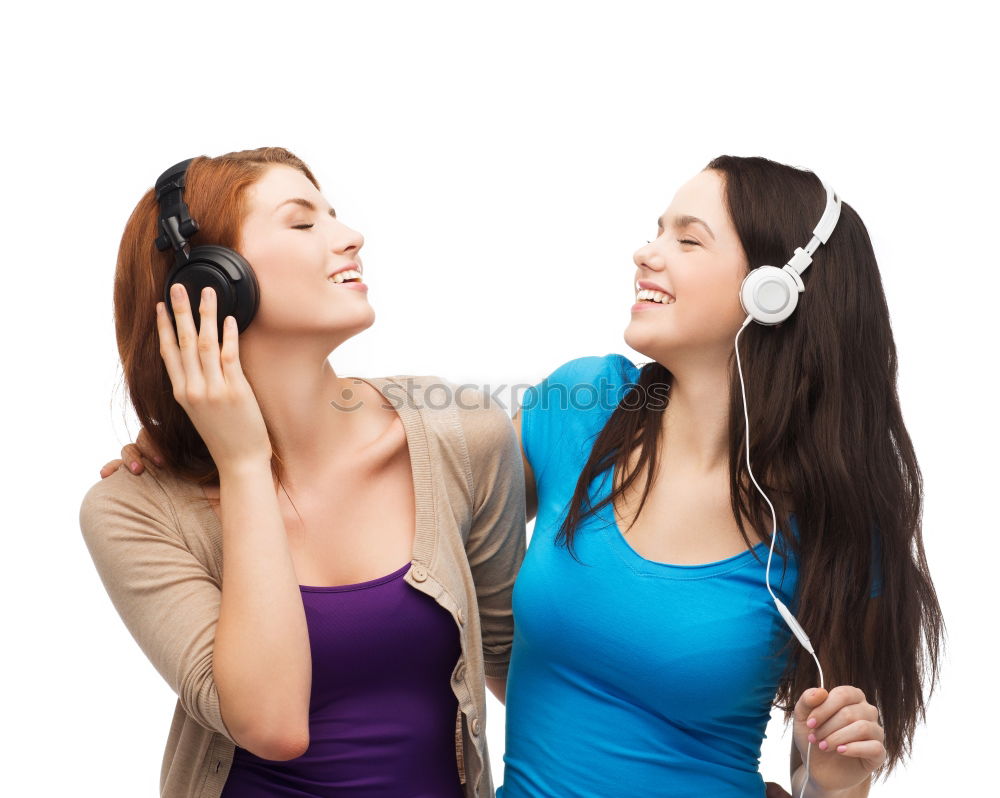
[503, 161]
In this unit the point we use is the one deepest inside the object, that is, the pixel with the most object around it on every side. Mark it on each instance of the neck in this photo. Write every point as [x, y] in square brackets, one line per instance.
[294, 385]
[694, 431]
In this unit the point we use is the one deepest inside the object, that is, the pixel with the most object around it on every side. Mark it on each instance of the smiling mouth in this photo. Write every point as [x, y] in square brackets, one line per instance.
[658, 297]
[348, 276]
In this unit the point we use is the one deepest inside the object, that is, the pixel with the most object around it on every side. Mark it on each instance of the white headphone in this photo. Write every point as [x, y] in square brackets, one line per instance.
[770, 295]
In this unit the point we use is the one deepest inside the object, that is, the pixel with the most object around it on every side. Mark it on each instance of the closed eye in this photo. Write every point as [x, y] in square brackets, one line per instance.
[301, 227]
[683, 241]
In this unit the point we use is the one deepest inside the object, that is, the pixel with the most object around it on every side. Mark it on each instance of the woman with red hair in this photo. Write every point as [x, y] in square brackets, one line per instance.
[320, 566]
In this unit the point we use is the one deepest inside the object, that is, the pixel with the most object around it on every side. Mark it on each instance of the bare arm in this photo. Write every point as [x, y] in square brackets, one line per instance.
[799, 774]
[263, 665]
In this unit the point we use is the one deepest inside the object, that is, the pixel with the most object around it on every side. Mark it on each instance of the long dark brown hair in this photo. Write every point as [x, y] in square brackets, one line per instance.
[216, 193]
[828, 444]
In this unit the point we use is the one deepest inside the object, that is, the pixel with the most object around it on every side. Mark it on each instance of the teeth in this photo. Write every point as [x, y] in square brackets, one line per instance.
[340, 277]
[646, 294]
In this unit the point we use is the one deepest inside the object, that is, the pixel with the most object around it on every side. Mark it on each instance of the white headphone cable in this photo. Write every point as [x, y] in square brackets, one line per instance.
[782, 609]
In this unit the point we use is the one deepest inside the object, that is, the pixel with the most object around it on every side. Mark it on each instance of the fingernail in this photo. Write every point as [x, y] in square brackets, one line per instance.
[158, 460]
[841, 748]
[812, 738]
[824, 745]
[811, 723]
[134, 467]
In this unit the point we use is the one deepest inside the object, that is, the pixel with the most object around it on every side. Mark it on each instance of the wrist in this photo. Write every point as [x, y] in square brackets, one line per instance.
[814, 790]
[244, 467]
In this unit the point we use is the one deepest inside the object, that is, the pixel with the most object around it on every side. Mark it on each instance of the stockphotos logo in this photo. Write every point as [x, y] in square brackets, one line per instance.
[586, 396]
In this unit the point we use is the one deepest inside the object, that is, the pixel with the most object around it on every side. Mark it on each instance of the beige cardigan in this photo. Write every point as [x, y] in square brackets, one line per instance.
[157, 546]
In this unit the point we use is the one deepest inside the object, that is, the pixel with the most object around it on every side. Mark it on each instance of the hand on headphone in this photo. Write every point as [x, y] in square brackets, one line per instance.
[209, 384]
[847, 740]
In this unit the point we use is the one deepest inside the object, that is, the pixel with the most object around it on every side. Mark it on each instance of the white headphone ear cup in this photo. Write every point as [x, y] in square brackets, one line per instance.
[769, 295]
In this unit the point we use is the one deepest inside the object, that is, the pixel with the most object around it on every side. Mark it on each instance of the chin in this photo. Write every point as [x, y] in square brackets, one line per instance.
[344, 313]
[652, 344]
[358, 321]
[641, 340]
[370, 319]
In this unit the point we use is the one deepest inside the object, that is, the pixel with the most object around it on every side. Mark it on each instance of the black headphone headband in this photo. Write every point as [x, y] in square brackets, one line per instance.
[175, 223]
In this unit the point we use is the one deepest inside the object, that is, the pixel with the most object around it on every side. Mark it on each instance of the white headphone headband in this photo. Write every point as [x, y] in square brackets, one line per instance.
[821, 233]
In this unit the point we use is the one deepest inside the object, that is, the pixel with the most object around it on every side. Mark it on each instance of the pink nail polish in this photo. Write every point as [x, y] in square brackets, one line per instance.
[134, 467]
[811, 723]
[824, 745]
[841, 748]
[812, 738]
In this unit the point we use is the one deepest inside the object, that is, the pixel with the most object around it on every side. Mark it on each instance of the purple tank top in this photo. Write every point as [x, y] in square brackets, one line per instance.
[382, 711]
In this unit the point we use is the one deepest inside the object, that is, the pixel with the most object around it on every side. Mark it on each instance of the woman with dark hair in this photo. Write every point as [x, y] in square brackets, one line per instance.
[345, 646]
[647, 651]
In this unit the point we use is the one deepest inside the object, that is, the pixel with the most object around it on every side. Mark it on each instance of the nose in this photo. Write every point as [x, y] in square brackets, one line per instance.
[648, 257]
[346, 240]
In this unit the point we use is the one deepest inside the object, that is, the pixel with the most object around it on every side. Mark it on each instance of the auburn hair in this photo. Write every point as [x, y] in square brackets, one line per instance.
[216, 194]
[828, 444]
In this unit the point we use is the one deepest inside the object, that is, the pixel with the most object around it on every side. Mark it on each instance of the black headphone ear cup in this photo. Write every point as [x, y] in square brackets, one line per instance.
[228, 274]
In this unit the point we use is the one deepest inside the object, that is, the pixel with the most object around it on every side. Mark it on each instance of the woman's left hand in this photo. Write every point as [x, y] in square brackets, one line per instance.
[846, 736]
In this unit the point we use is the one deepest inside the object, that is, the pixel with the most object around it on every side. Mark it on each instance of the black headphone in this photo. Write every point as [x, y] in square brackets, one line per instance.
[224, 269]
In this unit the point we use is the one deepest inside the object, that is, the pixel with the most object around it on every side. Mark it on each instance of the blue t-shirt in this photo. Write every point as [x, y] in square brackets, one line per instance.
[629, 676]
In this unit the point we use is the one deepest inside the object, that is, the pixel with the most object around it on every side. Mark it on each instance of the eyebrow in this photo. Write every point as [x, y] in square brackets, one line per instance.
[684, 220]
[305, 204]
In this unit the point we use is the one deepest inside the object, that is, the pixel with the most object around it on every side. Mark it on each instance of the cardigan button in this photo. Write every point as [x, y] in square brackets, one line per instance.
[460, 673]
[461, 615]
[475, 726]
[419, 573]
